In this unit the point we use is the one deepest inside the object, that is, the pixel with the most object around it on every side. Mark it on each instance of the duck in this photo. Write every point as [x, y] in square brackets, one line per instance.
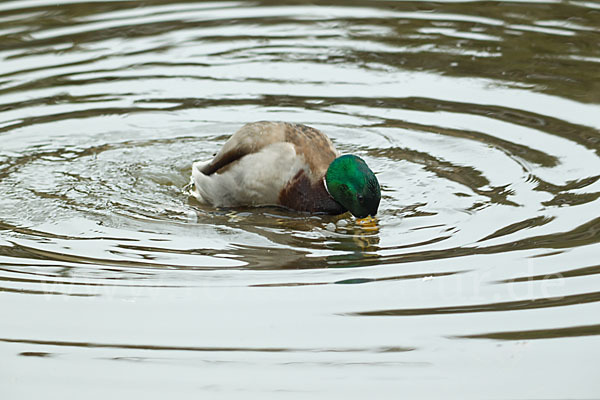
[288, 165]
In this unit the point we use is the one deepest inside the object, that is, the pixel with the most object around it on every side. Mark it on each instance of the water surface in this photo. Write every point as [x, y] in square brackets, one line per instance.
[480, 119]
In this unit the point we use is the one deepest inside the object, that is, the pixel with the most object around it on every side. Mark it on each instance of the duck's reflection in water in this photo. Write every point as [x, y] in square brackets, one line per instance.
[327, 242]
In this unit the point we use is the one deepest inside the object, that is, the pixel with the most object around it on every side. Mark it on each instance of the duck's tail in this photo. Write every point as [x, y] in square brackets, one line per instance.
[199, 182]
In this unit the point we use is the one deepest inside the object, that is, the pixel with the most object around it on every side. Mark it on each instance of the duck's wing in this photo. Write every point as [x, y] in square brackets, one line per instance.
[316, 148]
[250, 138]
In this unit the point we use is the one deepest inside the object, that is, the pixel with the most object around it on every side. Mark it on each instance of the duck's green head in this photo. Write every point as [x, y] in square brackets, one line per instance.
[352, 184]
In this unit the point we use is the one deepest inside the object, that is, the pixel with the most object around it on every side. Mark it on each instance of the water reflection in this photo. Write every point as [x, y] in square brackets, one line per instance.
[575, 331]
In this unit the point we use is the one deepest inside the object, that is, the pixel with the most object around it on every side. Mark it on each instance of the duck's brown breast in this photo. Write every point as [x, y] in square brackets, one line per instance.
[303, 195]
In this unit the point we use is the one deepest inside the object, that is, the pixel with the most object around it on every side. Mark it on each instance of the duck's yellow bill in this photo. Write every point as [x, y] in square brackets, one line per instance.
[367, 222]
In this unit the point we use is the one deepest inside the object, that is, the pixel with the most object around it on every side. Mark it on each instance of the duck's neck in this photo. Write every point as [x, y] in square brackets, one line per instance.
[330, 206]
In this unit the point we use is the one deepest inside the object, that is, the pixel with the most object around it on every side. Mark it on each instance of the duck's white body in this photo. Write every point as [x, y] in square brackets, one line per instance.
[255, 179]
[268, 163]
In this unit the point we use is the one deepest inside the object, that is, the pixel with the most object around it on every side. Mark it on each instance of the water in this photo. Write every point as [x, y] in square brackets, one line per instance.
[481, 120]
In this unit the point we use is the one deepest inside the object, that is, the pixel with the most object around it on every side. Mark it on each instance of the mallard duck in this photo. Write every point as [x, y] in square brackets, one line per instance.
[289, 165]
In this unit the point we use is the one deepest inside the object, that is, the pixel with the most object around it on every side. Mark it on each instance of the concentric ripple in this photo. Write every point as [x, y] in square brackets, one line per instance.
[480, 119]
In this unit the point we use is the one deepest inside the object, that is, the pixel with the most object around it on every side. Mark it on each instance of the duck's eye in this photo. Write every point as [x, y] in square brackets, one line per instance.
[360, 198]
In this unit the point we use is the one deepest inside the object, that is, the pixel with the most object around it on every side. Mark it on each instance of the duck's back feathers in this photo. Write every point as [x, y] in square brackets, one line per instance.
[269, 163]
[311, 144]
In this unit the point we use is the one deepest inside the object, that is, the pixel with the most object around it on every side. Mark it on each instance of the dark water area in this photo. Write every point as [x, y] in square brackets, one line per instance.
[481, 120]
